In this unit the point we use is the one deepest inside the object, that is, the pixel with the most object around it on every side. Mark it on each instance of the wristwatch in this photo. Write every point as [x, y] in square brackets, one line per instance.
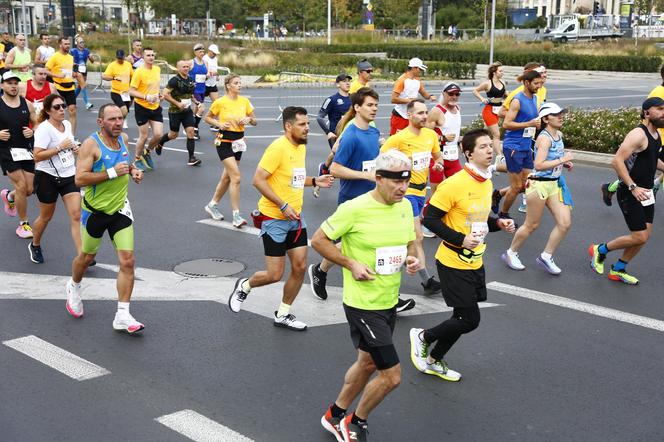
[631, 187]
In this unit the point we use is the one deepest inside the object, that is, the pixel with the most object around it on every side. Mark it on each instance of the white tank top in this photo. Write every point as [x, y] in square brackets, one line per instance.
[212, 68]
[452, 124]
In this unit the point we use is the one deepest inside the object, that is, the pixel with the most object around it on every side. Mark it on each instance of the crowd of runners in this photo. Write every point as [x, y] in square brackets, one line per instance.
[423, 179]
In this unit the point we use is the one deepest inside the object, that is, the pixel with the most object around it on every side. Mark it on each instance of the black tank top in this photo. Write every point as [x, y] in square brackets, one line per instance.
[15, 119]
[494, 92]
[642, 166]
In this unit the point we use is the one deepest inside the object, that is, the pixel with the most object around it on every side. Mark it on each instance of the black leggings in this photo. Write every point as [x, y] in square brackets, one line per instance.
[463, 320]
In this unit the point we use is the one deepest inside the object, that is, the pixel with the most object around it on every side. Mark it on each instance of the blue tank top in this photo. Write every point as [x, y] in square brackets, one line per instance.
[198, 73]
[80, 56]
[520, 139]
[556, 152]
[108, 196]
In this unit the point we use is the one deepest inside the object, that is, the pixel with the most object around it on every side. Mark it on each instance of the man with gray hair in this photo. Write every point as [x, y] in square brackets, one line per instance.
[377, 239]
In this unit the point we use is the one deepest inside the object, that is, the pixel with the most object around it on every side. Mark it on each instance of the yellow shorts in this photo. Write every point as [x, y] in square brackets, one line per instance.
[544, 189]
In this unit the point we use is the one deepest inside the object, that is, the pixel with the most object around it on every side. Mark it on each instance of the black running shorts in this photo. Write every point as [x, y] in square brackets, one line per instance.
[462, 288]
[637, 216]
[371, 331]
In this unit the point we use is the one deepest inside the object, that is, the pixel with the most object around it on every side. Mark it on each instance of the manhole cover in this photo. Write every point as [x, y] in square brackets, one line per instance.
[208, 268]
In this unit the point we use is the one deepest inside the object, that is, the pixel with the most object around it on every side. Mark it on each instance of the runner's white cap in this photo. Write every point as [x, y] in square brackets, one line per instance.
[417, 63]
[9, 75]
[214, 48]
[550, 109]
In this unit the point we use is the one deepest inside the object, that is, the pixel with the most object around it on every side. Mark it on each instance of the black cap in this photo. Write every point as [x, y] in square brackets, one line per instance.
[343, 77]
[119, 53]
[652, 101]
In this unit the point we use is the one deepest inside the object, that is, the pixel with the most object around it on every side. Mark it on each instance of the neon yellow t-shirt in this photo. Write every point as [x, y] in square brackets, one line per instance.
[122, 71]
[377, 235]
[232, 111]
[419, 149]
[60, 63]
[541, 96]
[286, 164]
[355, 85]
[147, 81]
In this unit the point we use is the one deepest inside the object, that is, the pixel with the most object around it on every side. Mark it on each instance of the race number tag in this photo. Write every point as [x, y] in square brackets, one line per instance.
[495, 109]
[390, 259]
[299, 177]
[67, 73]
[38, 106]
[450, 153]
[479, 230]
[200, 78]
[557, 171]
[368, 166]
[21, 154]
[126, 210]
[82, 69]
[186, 102]
[125, 96]
[66, 157]
[240, 146]
[421, 160]
[529, 132]
[651, 198]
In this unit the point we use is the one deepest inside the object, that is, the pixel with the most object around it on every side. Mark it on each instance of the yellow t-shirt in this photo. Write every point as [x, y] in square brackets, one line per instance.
[286, 164]
[355, 85]
[146, 81]
[419, 149]
[122, 71]
[658, 92]
[232, 111]
[467, 203]
[60, 63]
[541, 96]
[2, 55]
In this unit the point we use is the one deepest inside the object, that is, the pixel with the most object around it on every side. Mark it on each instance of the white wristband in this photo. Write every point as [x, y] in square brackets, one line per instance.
[112, 174]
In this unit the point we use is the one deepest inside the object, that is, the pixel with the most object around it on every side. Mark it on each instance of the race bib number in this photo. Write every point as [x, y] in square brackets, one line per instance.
[480, 230]
[66, 157]
[421, 160]
[557, 171]
[200, 78]
[299, 177]
[240, 146]
[125, 96]
[390, 259]
[21, 154]
[368, 166]
[186, 102]
[67, 73]
[38, 105]
[529, 132]
[126, 210]
[495, 109]
[651, 199]
[82, 69]
[451, 153]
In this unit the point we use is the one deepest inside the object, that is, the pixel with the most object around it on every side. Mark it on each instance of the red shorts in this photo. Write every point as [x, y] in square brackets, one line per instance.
[449, 169]
[488, 116]
[397, 123]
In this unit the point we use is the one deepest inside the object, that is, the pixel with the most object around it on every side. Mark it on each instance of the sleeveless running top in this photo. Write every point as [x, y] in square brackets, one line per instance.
[36, 97]
[198, 73]
[522, 139]
[642, 166]
[22, 58]
[80, 55]
[213, 67]
[15, 119]
[556, 152]
[495, 93]
[452, 125]
[138, 61]
[108, 196]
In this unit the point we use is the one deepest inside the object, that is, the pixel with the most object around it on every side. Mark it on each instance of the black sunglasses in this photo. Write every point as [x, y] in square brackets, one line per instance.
[368, 71]
[59, 106]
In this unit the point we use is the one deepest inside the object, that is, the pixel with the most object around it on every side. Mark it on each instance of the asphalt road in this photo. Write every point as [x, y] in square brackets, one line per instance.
[574, 357]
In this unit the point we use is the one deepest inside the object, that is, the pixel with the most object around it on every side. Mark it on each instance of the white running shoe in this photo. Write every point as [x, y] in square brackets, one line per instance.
[74, 304]
[214, 212]
[548, 265]
[440, 369]
[125, 322]
[512, 261]
[288, 321]
[238, 221]
[238, 296]
[419, 350]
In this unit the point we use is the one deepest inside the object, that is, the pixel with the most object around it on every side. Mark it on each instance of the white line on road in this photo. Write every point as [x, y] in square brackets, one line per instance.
[56, 358]
[199, 428]
[226, 225]
[597, 310]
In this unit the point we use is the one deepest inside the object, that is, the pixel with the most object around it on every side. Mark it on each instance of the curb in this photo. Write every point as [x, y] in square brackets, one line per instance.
[592, 158]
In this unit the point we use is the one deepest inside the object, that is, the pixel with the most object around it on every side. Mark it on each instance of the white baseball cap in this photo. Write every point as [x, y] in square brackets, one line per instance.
[550, 109]
[10, 75]
[214, 48]
[417, 63]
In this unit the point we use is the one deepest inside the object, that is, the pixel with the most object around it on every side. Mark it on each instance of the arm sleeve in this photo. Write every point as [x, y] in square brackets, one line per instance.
[433, 220]
[492, 222]
[322, 121]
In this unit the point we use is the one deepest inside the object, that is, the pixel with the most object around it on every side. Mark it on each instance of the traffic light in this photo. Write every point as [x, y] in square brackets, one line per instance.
[595, 8]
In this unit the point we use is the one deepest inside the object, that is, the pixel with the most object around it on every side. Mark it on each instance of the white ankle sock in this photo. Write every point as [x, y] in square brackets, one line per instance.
[546, 256]
[123, 307]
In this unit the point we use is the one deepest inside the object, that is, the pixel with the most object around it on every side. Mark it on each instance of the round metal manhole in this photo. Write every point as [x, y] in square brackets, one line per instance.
[209, 268]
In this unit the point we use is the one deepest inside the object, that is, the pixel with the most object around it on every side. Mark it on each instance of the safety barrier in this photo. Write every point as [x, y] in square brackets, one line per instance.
[97, 62]
[305, 90]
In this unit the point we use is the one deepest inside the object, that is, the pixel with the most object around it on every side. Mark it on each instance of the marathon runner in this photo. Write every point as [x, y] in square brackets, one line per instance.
[19, 59]
[104, 168]
[280, 178]
[376, 242]
[636, 163]
[495, 91]
[334, 107]
[211, 90]
[36, 89]
[198, 72]
[44, 51]
[61, 68]
[119, 73]
[81, 56]
[520, 123]
[458, 213]
[230, 114]
[179, 93]
[420, 144]
[144, 87]
[55, 152]
[354, 164]
[17, 116]
[364, 73]
[544, 188]
[136, 56]
[407, 87]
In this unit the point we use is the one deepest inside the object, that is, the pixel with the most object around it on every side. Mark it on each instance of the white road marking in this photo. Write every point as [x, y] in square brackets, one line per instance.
[597, 310]
[227, 225]
[199, 428]
[174, 149]
[55, 357]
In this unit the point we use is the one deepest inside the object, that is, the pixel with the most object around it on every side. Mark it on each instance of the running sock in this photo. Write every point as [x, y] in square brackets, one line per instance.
[357, 421]
[191, 143]
[337, 411]
[236, 211]
[75, 284]
[619, 266]
[283, 310]
[245, 286]
[511, 252]
[164, 139]
[198, 120]
[602, 249]
[123, 307]
[86, 100]
[546, 256]
[213, 203]
[424, 275]
[613, 187]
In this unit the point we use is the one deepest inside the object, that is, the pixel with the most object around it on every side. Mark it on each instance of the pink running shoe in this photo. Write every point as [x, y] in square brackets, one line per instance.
[74, 304]
[126, 322]
[24, 231]
[10, 209]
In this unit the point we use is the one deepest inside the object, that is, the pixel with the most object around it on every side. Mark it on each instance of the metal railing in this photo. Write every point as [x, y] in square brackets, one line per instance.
[305, 90]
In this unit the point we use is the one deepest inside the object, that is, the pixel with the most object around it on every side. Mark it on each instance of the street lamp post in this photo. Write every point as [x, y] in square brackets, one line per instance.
[493, 27]
[329, 22]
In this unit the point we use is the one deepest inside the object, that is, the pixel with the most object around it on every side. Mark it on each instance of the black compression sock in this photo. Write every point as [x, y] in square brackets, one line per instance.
[198, 120]
[191, 143]
[164, 139]
[357, 421]
[337, 411]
